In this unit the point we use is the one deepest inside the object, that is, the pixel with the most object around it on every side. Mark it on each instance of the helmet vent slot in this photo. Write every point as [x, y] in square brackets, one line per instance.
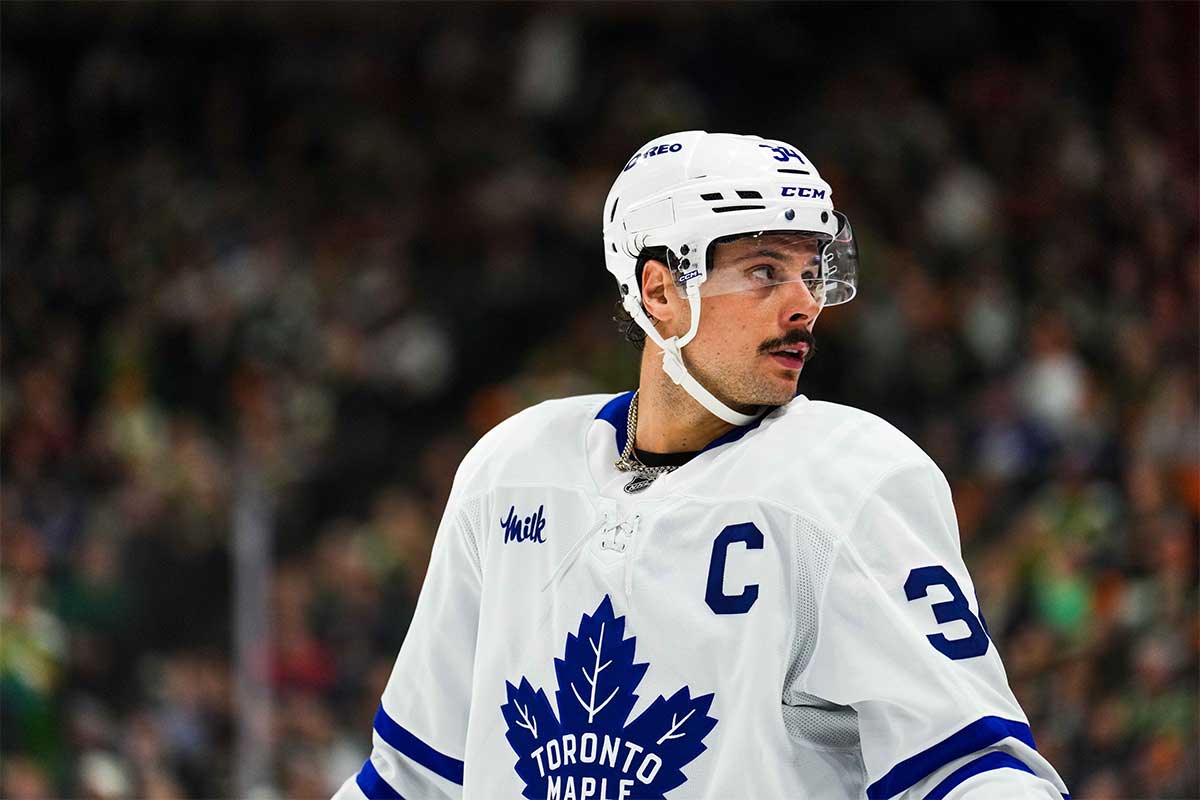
[723, 209]
[712, 196]
[613, 214]
[748, 194]
[795, 171]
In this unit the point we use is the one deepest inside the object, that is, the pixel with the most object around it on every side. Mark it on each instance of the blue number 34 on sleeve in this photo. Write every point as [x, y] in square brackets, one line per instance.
[975, 644]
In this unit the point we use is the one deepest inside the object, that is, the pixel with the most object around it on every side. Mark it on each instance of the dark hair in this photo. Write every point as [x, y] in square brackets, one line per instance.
[626, 326]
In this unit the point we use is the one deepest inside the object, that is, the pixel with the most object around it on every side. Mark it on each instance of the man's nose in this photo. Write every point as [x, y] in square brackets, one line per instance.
[800, 307]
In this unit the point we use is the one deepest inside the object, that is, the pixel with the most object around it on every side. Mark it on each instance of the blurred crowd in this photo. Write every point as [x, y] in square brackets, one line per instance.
[320, 250]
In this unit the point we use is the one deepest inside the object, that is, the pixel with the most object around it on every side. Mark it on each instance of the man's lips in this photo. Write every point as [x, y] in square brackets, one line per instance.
[791, 357]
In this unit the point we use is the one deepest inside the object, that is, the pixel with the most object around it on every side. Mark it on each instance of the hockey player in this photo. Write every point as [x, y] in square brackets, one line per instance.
[711, 587]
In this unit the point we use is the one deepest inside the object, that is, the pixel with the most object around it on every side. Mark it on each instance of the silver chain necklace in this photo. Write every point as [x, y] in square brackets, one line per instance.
[629, 462]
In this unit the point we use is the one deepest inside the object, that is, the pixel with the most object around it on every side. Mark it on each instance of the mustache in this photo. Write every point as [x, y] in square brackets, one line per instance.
[792, 337]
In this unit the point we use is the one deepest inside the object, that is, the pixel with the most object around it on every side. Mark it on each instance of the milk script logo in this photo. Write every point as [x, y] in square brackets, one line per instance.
[590, 750]
[528, 529]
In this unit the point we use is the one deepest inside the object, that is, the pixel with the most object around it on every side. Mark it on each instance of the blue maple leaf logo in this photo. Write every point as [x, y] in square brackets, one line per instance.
[587, 750]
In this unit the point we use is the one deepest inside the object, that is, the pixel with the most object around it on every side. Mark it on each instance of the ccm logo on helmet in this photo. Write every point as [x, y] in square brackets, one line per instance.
[802, 191]
[670, 147]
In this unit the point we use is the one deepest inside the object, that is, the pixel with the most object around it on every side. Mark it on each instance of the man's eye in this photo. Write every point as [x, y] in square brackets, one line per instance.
[763, 273]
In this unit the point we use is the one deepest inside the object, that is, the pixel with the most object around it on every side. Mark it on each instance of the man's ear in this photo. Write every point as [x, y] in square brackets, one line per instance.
[657, 282]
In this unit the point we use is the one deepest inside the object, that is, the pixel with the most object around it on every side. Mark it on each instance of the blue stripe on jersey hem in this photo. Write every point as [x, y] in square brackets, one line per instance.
[979, 734]
[373, 785]
[985, 763]
[406, 743]
[616, 413]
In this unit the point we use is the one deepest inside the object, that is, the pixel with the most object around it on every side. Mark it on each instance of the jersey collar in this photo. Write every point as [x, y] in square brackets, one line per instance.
[616, 413]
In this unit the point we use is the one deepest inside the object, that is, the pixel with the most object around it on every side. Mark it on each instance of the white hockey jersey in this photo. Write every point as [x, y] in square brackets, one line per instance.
[785, 616]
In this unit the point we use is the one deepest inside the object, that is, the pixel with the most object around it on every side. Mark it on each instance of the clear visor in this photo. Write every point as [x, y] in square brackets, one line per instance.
[747, 262]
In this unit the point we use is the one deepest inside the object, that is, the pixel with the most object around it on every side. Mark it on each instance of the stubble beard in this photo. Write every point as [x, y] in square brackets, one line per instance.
[743, 389]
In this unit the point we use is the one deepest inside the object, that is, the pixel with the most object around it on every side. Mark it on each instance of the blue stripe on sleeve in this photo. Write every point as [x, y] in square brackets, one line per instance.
[985, 763]
[979, 734]
[394, 734]
[373, 785]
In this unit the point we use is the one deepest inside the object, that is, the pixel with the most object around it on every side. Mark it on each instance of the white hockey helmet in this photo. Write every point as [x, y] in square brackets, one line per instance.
[686, 191]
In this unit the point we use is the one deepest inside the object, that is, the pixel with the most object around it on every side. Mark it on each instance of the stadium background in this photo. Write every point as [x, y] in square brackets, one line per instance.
[269, 270]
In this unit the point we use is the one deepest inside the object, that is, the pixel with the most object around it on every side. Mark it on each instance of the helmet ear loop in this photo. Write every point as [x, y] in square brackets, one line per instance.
[637, 308]
[648, 324]
[693, 297]
[637, 311]
[679, 266]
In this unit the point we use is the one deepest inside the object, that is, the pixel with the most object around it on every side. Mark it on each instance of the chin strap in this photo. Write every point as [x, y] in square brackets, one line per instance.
[672, 363]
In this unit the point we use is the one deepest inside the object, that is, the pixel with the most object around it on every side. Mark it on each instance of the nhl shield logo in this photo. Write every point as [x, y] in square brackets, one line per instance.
[589, 749]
